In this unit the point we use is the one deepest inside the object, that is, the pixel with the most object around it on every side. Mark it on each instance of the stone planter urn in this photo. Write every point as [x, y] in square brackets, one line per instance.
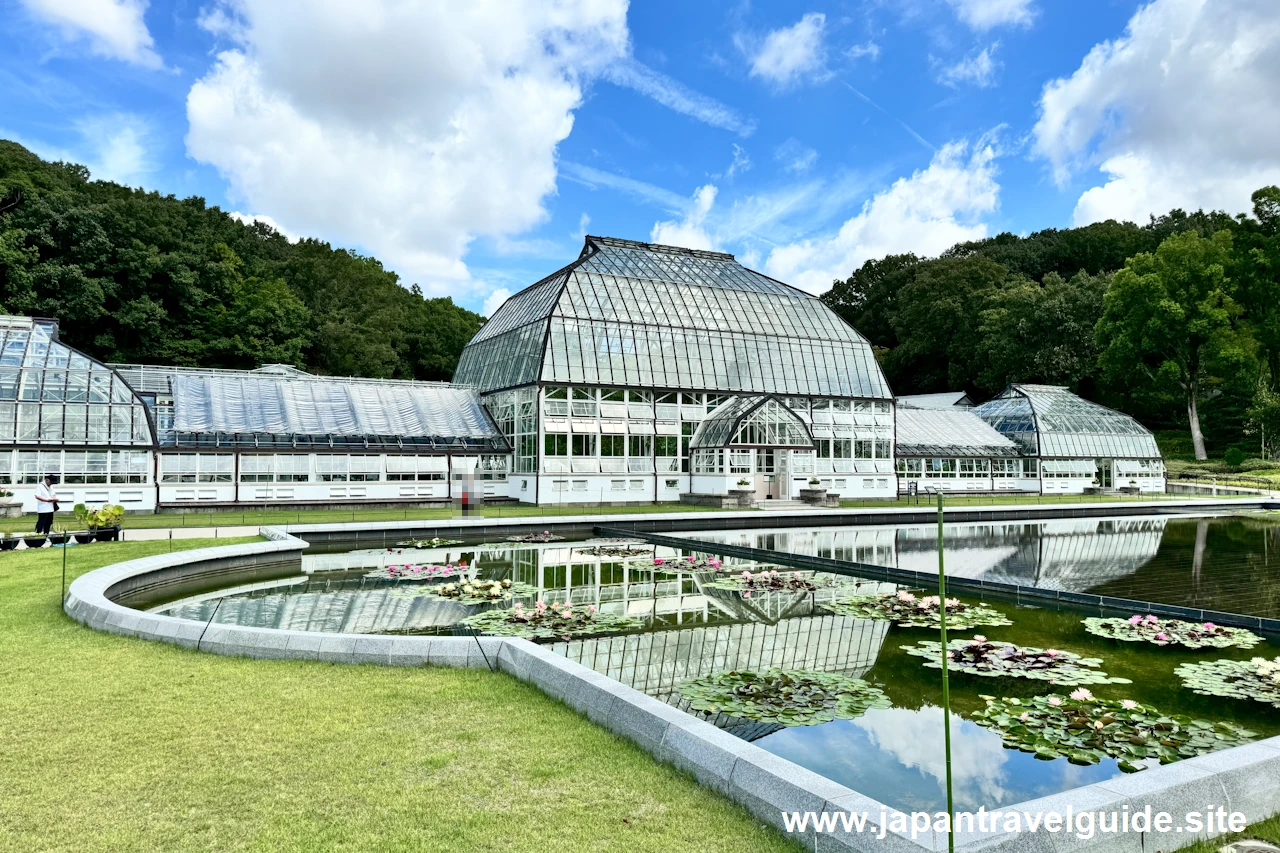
[816, 496]
[10, 507]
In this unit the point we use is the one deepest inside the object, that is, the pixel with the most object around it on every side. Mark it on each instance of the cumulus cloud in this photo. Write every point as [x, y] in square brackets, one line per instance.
[979, 68]
[790, 55]
[925, 213]
[1182, 110]
[251, 218]
[983, 15]
[494, 301]
[407, 129]
[689, 232]
[795, 156]
[113, 28]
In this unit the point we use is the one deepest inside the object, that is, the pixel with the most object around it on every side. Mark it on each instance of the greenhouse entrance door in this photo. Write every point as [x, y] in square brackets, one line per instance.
[1104, 473]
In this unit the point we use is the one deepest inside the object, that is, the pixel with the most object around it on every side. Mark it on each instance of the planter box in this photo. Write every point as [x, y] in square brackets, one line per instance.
[8, 544]
[83, 537]
[105, 534]
[745, 497]
[815, 496]
[35, 541]
[10, 508]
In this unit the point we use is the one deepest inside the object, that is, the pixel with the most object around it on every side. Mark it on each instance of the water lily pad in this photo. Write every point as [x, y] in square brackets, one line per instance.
[1257, 680]
[1087, 729]
[481, 591]
[769, 581]
[789, 697]
[1172, 632]
[548, 622]
[991, 659]
[908, 610]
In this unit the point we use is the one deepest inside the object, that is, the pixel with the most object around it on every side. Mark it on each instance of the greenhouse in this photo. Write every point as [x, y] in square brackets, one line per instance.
[279, 434]
[955, 450]
[600, 375]
[1077, 444]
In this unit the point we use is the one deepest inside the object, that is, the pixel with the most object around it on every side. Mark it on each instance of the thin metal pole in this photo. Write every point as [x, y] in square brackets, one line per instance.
[64, 567]
[946, 691]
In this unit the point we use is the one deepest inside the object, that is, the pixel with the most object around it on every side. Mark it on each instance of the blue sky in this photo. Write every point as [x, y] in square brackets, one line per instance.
[470, 147]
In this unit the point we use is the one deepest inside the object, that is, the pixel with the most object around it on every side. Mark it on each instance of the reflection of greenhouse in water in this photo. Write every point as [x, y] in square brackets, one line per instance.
[334, 595]
[1069, 554]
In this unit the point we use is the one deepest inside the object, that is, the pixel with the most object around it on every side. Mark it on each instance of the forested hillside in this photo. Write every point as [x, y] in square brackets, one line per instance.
[143, 277]
[1174, 320]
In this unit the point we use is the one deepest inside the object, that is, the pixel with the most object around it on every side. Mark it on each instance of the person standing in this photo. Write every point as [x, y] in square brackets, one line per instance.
[46, 503]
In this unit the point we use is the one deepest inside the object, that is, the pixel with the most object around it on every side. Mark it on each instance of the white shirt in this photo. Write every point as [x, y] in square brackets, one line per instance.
[45, 496]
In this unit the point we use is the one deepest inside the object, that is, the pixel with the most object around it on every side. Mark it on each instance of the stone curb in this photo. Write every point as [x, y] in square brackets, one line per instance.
[1244, 778]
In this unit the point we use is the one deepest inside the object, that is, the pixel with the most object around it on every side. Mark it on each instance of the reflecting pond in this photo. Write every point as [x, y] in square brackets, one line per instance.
[691, 628]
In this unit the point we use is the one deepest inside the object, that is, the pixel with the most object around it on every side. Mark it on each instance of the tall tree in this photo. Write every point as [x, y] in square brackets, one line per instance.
[1168, 314]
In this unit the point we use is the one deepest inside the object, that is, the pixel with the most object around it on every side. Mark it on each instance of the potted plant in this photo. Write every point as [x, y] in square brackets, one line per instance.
[9, 542]
[58, 537]
[815, 494]
[102, 523]
[82, 537]
[34, 540]
[10, 505]
[744, 483]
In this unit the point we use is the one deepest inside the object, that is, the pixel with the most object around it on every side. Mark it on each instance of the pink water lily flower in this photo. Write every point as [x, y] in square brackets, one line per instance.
[1162, 636]
[658, 561]
[978, 638]
[1150, 620]
[1053, 653]
[1135, 619]
[1025, 716]
[1081, 695]
[1209, 626]
[592, 609]
[1055, 701]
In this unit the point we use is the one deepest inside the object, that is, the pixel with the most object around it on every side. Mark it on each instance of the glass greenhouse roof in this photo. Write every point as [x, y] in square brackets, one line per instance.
[275, 409]
[1050, 421]
[640, 315]
[52, 394]
[942, 432]
[752, 422]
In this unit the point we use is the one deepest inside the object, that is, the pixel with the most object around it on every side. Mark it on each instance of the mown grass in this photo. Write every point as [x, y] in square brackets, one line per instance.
[228, 518]
[116, 744]
[321, 516]
[1266, 830]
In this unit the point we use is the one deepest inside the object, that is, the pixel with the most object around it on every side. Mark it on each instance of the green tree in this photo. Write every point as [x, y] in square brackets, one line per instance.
[1167, 316]
[935, 320]
[1042, 332]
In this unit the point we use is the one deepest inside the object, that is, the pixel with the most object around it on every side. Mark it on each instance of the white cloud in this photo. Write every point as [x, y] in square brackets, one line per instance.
[688, 233]
[911, 737]
[867, 49]
[795, 156]
[584, 222]
[250, 218]
[983, 15]
[978, 68]
[114, 28]
[674, 95]
[741, 162]
[494, 301]
[405, 129]
[926, 213]
[1183, 110]
[791, 55]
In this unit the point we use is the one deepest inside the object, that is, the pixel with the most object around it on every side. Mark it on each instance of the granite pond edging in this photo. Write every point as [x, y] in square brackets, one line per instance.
[1244, 778]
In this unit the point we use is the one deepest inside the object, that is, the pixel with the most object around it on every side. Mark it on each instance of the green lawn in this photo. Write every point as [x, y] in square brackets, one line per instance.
[116, 744]
[1266, 830]
[321, 516]
[225, 518]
